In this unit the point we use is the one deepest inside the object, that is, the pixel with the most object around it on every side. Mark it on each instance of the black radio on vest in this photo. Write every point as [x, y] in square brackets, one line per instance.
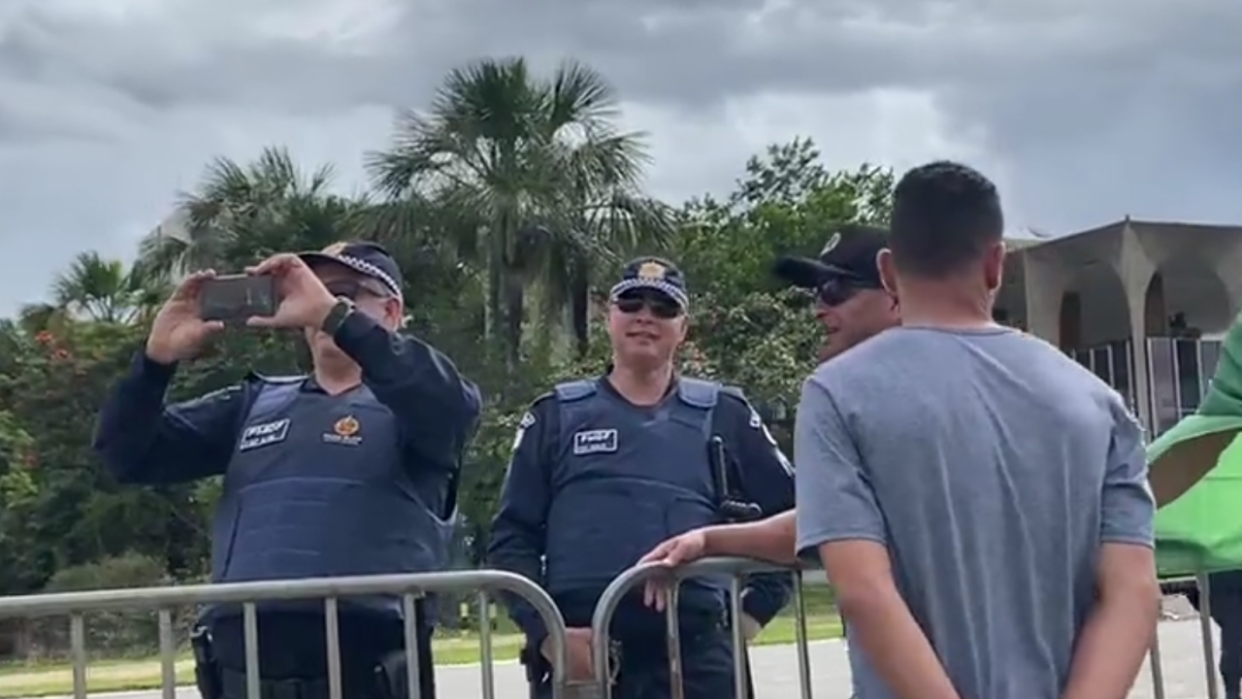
[732, 508]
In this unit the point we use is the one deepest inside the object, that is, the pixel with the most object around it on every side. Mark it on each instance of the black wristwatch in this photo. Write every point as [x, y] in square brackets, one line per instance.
[336, 317]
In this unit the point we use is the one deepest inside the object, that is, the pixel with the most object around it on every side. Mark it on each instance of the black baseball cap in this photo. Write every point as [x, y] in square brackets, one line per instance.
[364, 257]
[848, 255]
[652, 273]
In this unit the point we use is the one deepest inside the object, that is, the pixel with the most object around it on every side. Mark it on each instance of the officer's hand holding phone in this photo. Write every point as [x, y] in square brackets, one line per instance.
[304, 302]
[179, 330]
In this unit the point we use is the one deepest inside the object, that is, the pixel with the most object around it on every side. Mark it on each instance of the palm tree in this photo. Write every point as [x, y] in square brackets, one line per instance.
[97, 289]
[240, 213]
[533, 183]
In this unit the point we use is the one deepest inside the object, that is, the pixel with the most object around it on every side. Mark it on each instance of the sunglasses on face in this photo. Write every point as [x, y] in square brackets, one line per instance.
[661, 306]
[835, 292]
[352, 289]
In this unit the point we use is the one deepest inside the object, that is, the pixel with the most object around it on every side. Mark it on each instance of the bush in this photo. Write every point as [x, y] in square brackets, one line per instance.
[112, 633]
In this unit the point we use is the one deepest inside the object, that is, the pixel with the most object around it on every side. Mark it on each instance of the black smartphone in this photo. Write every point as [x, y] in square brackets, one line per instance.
[236, 297]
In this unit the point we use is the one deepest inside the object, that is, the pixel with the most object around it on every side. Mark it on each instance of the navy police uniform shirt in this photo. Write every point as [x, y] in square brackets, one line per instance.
[315, 484]
[529, 534]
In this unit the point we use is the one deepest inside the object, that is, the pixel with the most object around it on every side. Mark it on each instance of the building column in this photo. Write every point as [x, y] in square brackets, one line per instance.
[1044, 284]
[1136, 269]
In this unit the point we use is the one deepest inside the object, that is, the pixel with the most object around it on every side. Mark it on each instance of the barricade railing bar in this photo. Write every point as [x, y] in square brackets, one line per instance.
[1205, 633]
[736, 569]
[412, 587]
[409, 588]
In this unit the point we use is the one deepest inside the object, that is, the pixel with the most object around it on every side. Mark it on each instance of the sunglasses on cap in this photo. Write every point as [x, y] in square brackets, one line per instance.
[352, 289]
[837, 291]
[660, 305]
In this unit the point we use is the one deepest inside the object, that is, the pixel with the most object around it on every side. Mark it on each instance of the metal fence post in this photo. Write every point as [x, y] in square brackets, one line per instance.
[626, 583]
[250, 595]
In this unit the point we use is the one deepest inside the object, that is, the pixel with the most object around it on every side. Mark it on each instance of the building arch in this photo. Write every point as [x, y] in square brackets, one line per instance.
[1094, 308]
[1186, 297]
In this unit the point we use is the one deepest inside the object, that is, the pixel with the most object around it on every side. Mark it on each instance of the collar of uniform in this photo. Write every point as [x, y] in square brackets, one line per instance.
[305, 382]
[606, 385]
[310, 385]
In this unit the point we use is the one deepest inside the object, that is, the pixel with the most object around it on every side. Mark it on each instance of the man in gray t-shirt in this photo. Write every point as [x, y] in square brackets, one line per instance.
[978, 499]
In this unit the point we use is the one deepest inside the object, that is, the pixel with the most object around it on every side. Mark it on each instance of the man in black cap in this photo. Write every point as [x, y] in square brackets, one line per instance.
[605, 468]
[349, 471]
[851, 302]
[853, 306]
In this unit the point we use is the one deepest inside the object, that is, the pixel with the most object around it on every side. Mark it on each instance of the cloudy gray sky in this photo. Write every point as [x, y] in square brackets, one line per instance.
[1083, 110]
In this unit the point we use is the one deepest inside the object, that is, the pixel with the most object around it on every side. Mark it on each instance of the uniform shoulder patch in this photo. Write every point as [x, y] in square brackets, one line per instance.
[528, 420]
[756, 421]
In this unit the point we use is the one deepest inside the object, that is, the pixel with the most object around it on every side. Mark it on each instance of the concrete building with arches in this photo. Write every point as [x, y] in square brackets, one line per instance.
[1143, 304]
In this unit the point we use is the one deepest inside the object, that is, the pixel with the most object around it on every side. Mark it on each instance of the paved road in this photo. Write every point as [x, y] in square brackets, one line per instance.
[776, 669]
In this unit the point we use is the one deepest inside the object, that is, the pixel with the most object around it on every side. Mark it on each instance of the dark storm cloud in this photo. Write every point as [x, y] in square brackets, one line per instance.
[1095, 108]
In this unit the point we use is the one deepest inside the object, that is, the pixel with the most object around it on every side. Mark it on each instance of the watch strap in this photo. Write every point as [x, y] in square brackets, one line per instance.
[336, 317]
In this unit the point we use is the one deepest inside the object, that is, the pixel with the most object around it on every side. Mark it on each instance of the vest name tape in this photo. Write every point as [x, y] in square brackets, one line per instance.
[595, 442]
[262, 435]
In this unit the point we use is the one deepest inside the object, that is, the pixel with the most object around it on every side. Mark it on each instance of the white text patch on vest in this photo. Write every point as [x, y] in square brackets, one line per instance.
[256, 436]
[595, 442]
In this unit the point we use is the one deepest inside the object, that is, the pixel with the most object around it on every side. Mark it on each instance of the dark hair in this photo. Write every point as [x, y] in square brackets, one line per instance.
[945, 216]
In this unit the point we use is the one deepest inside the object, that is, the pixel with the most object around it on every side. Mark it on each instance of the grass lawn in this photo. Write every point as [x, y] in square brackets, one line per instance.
[137, 675]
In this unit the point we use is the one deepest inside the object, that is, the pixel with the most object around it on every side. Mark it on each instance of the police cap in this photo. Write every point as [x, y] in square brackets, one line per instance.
[656, 274]
[364, 257]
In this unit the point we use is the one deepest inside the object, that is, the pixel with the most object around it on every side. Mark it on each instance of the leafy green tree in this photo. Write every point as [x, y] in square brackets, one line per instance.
[239, 214]
[750, 330]
[533, 182]
[97, 289]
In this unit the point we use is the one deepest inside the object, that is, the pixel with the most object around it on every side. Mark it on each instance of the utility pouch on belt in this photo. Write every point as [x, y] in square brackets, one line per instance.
[391, 676]
[206, 669]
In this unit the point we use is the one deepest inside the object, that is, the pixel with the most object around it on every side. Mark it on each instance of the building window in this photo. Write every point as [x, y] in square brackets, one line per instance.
[1186, 362]
[1163, 385]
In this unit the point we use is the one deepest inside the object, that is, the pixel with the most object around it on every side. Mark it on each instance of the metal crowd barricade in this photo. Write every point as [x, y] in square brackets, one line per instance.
[409, 587]
[735, 568]
[1205, 630]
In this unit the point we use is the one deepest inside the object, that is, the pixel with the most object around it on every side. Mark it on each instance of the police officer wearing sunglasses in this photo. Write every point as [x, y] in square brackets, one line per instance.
[605, 468]
[349, 471]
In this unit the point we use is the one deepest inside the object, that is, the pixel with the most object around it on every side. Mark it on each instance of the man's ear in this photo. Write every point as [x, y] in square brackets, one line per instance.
[888, 271]
[994, 266]
[394, 313]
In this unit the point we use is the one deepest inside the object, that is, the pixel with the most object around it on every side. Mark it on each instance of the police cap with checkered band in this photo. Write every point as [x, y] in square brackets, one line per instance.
[655, 274]
[364, 257]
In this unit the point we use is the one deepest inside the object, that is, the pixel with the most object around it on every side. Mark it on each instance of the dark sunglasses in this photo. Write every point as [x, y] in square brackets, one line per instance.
[660, 305]
[835, 292]
[351, 289]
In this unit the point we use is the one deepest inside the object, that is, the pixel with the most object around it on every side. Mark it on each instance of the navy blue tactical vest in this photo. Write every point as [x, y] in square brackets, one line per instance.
[625, 479]
[319, 487]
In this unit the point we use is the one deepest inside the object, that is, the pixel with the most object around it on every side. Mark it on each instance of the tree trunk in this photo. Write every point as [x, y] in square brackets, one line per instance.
[580, 307]
[515, 299]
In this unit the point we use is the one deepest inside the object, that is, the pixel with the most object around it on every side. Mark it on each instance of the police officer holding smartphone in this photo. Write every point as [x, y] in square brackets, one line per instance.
[606, 468]
[349, 471]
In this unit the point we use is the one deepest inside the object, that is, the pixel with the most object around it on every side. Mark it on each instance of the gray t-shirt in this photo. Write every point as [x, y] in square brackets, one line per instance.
[992, 467]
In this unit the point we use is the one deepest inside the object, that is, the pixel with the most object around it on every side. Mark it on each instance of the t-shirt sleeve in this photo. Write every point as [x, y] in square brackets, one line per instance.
[1128, 506]
[835, 500]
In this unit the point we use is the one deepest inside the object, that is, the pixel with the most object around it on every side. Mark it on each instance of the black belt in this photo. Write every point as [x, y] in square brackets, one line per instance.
[233, 684]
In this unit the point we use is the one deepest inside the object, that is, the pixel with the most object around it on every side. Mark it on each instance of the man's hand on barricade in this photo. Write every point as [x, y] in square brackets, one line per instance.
[685, 548]
[577, 654]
